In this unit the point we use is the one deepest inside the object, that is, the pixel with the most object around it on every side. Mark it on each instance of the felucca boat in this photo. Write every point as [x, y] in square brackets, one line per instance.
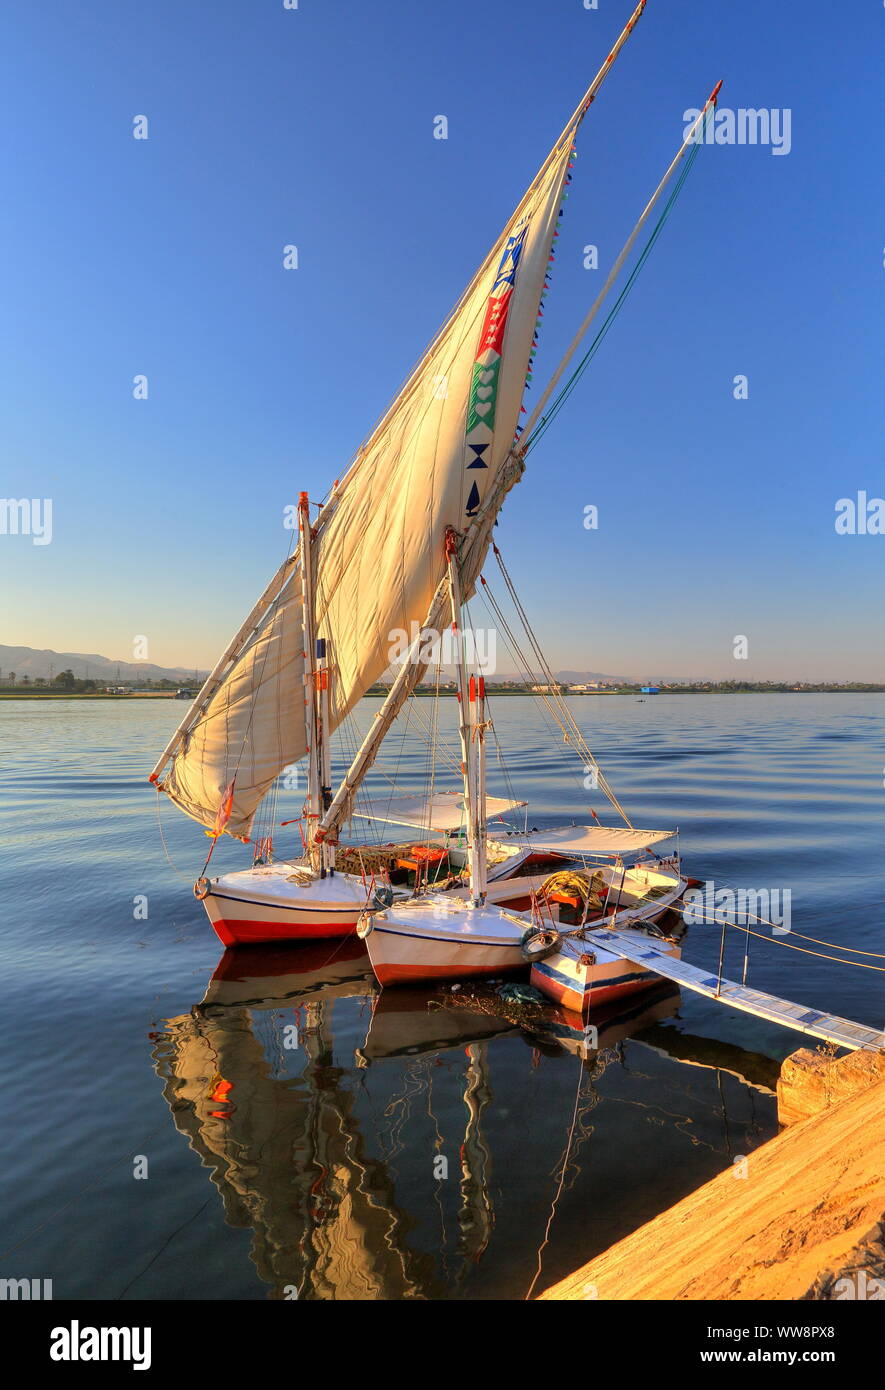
[616, 882]
[393, 548]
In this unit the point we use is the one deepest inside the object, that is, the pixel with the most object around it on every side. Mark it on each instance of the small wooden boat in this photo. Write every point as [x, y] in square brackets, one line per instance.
[442, 938]
[448, 937]
[278, 902]
[582, 973]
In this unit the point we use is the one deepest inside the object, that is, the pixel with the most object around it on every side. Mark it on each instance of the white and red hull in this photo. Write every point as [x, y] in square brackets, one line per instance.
[584, 975]
[273, 904]
[277, 903]
[442, 938]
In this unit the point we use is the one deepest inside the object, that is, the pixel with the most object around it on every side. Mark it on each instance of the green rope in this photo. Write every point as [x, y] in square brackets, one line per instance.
[576, 375]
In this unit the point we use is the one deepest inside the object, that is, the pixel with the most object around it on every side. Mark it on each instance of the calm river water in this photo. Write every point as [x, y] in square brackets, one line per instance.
[302, 1136]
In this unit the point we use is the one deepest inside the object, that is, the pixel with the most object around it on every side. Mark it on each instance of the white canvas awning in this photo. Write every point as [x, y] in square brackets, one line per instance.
[587, 839]
[442, 811]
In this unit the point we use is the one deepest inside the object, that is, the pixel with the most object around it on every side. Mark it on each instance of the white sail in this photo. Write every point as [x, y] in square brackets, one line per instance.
[252, 727]
[437, 460]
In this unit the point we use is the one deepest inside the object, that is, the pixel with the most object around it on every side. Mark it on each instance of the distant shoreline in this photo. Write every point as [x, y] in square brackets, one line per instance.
[637, 694]
[89, 695]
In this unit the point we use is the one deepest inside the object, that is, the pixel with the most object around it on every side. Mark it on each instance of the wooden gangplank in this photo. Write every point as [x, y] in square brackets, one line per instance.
[830, 1027]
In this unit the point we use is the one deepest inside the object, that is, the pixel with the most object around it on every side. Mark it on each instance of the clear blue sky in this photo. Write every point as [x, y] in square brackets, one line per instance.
[315, 127]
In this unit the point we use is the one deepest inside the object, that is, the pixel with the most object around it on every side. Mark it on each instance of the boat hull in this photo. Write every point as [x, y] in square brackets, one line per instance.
[583, 975]
[268, 925]
[273, 904]
[442, 939]
[270, 905]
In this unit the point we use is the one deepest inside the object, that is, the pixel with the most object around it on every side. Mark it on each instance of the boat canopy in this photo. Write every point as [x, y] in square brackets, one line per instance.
[441, 811]
[587, 839]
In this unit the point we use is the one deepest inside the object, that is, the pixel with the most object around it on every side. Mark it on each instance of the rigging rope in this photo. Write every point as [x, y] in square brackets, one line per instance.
[558, 402]
[552, 699]
[777, 941]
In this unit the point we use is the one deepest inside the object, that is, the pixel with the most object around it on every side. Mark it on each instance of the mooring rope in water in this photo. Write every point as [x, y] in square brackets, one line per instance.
[565, 1158]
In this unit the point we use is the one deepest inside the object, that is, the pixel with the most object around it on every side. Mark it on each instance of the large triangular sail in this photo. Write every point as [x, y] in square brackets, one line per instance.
[439, 462]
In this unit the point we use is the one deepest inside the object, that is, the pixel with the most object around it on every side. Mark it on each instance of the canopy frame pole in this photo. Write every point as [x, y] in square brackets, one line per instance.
[311, 722]
[214, 680]
[616, 269]
[467, 729]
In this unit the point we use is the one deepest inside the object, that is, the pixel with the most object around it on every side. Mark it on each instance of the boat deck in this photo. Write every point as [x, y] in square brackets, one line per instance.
[818, 1024]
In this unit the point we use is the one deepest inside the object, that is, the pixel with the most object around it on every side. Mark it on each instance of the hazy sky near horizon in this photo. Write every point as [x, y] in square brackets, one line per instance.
[314, 127]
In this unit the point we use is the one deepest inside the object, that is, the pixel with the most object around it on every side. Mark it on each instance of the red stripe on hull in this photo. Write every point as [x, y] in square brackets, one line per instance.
[578, 1002]
[243, 932]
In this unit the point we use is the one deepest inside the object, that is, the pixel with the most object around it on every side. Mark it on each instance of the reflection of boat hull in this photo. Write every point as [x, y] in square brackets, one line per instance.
[583, 974]
[279, 974]
[411, 1022]
[608, 1024]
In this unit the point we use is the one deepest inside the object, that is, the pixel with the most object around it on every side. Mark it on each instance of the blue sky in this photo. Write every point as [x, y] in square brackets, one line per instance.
[315, 127]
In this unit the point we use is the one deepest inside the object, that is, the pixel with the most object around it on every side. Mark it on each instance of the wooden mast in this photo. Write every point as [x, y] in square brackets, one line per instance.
[417, 659]
[324, 741]
[311, 722]
[474, 795]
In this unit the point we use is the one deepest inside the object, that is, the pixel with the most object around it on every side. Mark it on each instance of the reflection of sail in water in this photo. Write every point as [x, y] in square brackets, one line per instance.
[334, 1165]
[285, 1152]
[476, 1217]
[406, 1022]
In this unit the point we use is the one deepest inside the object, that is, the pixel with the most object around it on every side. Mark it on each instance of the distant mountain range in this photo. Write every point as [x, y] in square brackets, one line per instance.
[31, 662]
[28, 661]
[582, 677]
